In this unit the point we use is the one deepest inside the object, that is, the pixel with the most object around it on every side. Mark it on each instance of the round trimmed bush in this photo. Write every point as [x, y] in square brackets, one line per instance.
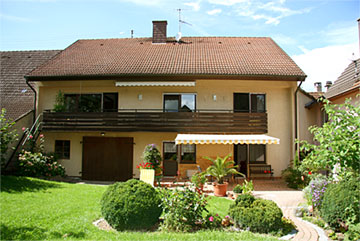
[131, 205]
[262, 216]
[341, 203]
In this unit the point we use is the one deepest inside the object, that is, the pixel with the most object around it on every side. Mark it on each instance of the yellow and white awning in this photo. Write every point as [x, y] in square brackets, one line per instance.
[224, 139]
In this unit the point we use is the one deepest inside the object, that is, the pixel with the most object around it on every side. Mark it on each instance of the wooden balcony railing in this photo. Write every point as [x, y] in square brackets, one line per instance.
[201, 121]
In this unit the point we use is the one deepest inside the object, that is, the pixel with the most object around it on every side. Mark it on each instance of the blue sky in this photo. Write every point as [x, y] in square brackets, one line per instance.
[320, 35]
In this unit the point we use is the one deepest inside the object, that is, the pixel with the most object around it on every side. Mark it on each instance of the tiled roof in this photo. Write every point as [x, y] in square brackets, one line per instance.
[16, 96]
[348, 80]
[194, 56]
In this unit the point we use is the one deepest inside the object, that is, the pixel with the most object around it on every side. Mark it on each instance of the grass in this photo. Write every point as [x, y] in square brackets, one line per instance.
[34, 209]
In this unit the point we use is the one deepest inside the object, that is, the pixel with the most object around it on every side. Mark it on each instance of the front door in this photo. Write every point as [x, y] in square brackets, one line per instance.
[107, 158]
[241, 157]
[170, 159]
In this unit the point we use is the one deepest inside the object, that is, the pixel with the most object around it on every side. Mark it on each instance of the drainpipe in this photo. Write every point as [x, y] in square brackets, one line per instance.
[35, 96]
[296, 116]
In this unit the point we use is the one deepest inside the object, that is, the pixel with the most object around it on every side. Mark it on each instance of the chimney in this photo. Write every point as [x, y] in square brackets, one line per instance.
[159, 32]
[328, 85]
[318, 86]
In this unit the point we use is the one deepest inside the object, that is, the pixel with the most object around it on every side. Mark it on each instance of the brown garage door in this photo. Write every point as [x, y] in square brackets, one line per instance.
[107, 158]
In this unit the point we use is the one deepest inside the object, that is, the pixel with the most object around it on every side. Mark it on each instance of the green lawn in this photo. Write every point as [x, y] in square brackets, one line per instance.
[34, 209]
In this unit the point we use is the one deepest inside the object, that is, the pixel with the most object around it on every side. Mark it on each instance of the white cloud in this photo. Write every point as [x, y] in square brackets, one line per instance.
[272, 12]
[194, 5]
[214, 11]
[325, 64]
[227, 2]
[14, 18]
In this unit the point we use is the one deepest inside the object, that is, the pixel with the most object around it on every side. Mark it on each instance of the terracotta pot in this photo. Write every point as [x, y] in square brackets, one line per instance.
[220, 189]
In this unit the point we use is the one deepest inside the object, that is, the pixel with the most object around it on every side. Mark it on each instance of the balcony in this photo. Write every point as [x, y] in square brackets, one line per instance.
[151, 120]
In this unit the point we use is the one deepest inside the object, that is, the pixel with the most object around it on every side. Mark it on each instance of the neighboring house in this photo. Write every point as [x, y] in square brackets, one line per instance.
[122, 94]
[15, 94]
[310, 113]
[346, 86]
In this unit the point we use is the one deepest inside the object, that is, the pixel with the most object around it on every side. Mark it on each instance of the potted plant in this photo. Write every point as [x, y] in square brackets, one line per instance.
[221, 168]
[238, 189]
[152, 160]
[199, 179]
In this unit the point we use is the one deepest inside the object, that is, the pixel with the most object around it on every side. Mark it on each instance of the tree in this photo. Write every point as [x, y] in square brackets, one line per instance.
[337, 141]
[7, 135]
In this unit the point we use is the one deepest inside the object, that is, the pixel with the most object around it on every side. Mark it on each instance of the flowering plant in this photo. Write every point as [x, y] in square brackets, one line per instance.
[145, 165]
[212, 221]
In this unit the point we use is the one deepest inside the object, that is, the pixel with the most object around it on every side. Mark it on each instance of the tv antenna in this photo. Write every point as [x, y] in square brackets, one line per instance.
[178, 35]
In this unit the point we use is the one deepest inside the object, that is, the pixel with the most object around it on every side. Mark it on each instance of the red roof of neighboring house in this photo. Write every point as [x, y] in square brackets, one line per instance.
[347, 81]
[16, 96]
[197, 56]
[317, 94]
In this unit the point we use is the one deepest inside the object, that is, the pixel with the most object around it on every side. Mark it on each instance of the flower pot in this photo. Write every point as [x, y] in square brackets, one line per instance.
[220, 189]
[148, 176]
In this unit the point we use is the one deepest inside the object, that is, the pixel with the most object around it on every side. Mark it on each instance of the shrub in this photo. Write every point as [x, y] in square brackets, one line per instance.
[353, 232]
[294, 178]
[38, 164]
[7, 135]
[238, 189]
[198, 179]
[183, 209]
[243, 201]
[262, 216]
[340, 206]
[247, 187]
[131, 205]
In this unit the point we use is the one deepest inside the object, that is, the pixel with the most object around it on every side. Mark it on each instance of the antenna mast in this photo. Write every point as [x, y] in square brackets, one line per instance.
[179, 10]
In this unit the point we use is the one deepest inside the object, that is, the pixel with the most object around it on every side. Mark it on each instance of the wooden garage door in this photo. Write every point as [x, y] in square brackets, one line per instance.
[107, 158]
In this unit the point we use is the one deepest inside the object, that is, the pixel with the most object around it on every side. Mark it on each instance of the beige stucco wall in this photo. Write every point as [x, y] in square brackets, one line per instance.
[279, 103]
[307, 116]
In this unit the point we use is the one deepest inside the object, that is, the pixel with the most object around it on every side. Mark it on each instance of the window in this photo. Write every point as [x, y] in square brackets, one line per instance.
[257, 153]
[83, 102]
[179, 102]
[62, 149]
[246, 103]
[108, 102]
[186, 152]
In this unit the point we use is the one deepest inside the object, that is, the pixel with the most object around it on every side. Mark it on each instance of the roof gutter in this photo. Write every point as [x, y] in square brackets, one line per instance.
[297, 146]
[35, 96]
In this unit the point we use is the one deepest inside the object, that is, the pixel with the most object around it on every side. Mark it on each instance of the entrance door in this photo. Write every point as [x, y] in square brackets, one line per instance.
[170, 159]
[107, 158]
[241, 157]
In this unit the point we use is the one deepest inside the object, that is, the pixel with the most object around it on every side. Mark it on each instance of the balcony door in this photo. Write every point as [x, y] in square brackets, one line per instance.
[179, 102]
[247, 102]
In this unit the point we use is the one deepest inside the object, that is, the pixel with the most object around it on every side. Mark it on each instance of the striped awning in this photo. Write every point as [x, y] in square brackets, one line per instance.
[154, 83]
[225, 139]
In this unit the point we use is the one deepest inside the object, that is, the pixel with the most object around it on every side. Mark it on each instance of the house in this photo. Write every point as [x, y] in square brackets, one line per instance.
[347, 85]
[310, 112]
[16, 95]
[213, 95]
